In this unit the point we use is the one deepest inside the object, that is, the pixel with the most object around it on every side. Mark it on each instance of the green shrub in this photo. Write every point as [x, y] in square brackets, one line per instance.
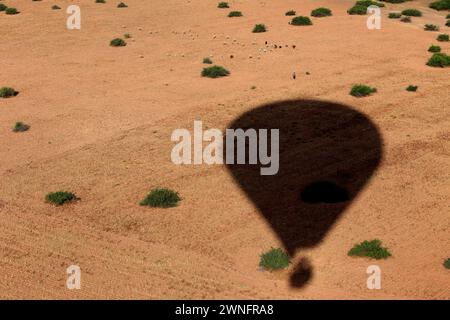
[7, 92]
[394, 15]
[321, 12]
[291, 13]
[406, 19]
[412, 13]
[395, 1]
[11, 11]
[448, 16]
[60, 197]
[223, 5]
[440, 5]
[274, 259]
[368, 3]
[448, 23]
[443, 37]
[301, 21]
[21, 127]
[361, 10]
[371, 249]
[100, 1]
[56, 7]
[412, 88]
[258, 28]
[431, 27]
[361, 90]
[127, 35]
[447, 263]
[215, 72]
[161, 198]
[3, 7]
[118, 43]
[235, 14]
[207, 61]
[434, 49]
[439, 60]
[122, 5]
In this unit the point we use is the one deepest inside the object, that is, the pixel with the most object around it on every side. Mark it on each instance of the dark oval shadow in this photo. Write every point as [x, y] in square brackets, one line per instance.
[327, 153]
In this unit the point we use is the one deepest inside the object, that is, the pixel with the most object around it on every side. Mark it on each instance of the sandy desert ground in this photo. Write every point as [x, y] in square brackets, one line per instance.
[101, 120]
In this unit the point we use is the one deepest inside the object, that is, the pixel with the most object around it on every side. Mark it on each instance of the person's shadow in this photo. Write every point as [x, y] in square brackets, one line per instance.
[327, 153]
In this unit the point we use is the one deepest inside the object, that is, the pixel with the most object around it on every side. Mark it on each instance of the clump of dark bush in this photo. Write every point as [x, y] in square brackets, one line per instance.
[3, 7]
[117, 43]
[443, 37]
[215, 72]
[440, 5]
[122, 5]
[223, 5]
[301, 21]
[431, 27]
[161, 198]
[274, 259]
[412, 13]
[291, 13]
[60, 197]
[412, 88]
[258, 28]
[406, 19]
[448, 23]
[235, 14]
[371, 249]
[440, 60]
[447, 264]
[100, 1]
[361, 90]
[20, 127]
[11, 11]
[360, 10]
[56, 7]
[394, 15]
[434, 49]
[321, 12]
[207, 61]
[7, 92]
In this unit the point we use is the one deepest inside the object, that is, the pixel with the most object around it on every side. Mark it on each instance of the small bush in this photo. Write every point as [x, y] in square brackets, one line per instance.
[394, 15]
[412, 88]
[301, 21]
[60, 197]
[274, 259]
[368, 3]
[3, 7]
[431, 27]
[100, 1]
[161, 198]
[371, 249]
[117, 43]
[291, 13]
[439, 60]
[21, 127]
[215, 72]
[7, 92]
[440, 5]
[122, 5]
[235, 14]
[394, 1]
[321, 12]
[443, 37]
[361, 90]
[447, 264]
[434, 49]
[258, 28]
[360, 10]
[406, 19]
[11, 11]
[223, 5]
[207, 61]
[56, 7]
[448, 16]
[448, 23]
[127, 36]
[411, 13]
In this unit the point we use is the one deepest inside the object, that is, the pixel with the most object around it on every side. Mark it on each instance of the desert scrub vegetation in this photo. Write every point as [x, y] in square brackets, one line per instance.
[431, 27]
[11, 11]
[7, 92]
[447, 264]
[207, 60]
[411, 13]
[394, 1]
[3, 7]
[235, 14]
[122, 5]
[215, 72]
[434, 49]
[406, 19]
[258, 28]
[223, 5]
[20, 127]
[448, 16]
[361, 90]
[440, 5]
[361, 6]
[370, 249]
[321, 12]
[301, 21]
[360, 10]
[290, 13]
[440, 60]
[443, 37]
[394, 15]
[274, 259]
[411, 88]
[448, 23]
[117, 43]
[100, 1]
[56, 7]
[161, 198]
[60, 197]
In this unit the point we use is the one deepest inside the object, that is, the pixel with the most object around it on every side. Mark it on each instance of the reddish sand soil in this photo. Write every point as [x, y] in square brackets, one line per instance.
[101, 120]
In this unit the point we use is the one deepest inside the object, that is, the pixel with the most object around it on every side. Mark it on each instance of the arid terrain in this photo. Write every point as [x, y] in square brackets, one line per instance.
[101, 120]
